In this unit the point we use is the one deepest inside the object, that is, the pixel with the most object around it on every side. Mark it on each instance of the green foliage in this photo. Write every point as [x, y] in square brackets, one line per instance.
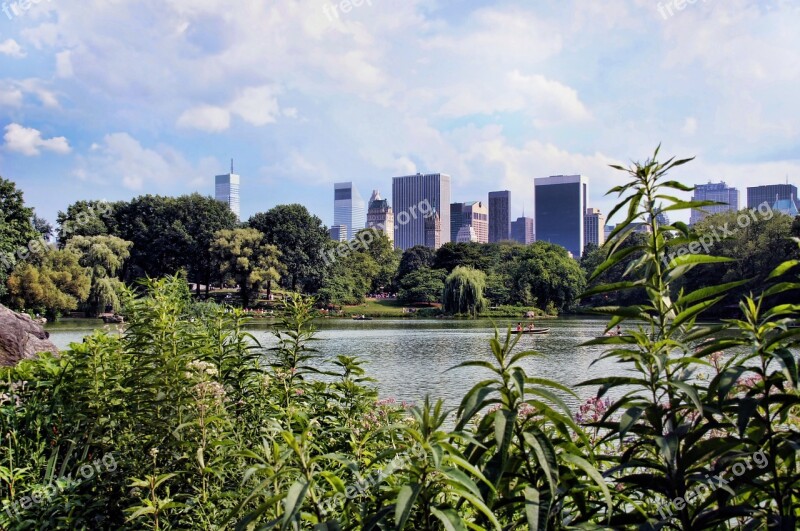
[300, 237]
[104, 257]
[423, 286]
[16, 228]
[56, 284]
[463, 292]
[243, 254]
[414, 259]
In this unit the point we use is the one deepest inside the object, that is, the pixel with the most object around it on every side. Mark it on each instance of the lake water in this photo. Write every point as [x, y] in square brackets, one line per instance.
[410, 358]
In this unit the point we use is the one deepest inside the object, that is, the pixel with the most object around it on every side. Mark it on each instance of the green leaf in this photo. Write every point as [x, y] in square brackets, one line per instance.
[449, 518]
[629, 419]
[593, 473]
[294, 501]
[405, 503]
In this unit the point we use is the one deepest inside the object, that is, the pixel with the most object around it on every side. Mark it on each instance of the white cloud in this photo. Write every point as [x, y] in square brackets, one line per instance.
[30, 143]
[689, 126]
[256, 105]
[11, 48]
[64, 64]
[10, 97]
[206, 118]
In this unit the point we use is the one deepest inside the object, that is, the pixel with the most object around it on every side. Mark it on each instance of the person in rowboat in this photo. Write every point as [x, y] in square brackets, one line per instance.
[519, 327]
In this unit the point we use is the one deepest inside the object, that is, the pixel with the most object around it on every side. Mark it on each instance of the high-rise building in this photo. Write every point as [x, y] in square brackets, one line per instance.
[522, 231]
[560, 211]
[758, 195]
[348, 208]
[786, 206]
[338, 233]
[456, 220]
[594, 227]
[719, 192]
[433, 230]
[499, 216]
[227, 191]
[380, 216]
[466, 234]
[475, 214]
[412, 197]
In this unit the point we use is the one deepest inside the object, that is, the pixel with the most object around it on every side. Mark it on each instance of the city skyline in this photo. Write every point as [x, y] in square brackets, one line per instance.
[362, 98]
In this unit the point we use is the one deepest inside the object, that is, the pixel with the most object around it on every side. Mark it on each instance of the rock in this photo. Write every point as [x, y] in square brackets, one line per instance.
[530, 315]
[21, 338]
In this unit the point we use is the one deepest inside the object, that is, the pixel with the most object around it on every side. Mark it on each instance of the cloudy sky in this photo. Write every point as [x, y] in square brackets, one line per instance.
[109, 99]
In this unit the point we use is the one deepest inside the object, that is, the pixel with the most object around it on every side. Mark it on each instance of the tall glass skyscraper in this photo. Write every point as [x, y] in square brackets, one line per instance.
[348, 208]
[412, 193]
[560, 210]
[227, 191]
[499, 216]
[757, 195]
[719, 192]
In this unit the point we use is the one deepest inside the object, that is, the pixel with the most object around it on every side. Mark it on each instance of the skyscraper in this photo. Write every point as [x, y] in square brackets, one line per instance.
[380, 216]
[560, 211]
[594, 227]
[719, 192]
[499, 216]
[433, 230]
[456, 220]
[338, 233]
[522, 231]
[475, 214]
[348, 208]
[758, 195]
[412, 196]
[227, 191]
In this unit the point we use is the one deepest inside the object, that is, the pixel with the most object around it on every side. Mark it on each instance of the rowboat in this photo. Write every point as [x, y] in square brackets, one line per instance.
[534, 331]
[362, 318]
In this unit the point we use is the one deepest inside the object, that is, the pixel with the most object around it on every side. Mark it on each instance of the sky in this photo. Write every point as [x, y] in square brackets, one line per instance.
[110, 99]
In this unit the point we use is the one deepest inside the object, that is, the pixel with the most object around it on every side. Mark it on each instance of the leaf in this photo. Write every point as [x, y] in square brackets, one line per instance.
[628, 419]
[533, 508]
[405, 503]
[294, 501]
[593, 473]
[449, 518]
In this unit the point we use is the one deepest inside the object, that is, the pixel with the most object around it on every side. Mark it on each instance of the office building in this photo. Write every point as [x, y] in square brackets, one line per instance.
[380, 216]
[719, 192]
[466, 234]
[594, 227]
[758, 195]
[227, 191]
[412, 197]
[456, 220]
[348, 208]
[433, 230]
[522, 230]
[338, 233]
[475, 214]
[786, 206]
[560, 211]
[499, 216]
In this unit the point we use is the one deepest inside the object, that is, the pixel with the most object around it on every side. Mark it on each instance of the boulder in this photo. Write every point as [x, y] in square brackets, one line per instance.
[21, 338]
[530, 315]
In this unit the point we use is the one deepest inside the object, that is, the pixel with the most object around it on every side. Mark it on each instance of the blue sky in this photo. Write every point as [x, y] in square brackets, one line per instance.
[109, 100]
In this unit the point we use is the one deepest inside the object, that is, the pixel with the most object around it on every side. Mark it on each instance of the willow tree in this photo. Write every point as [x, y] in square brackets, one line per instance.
[104, 256]
[463, 291]
[243, 254]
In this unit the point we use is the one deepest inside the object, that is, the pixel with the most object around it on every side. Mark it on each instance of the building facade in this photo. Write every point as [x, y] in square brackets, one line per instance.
[348, 208]
[338, 233]
[433, 230]
[380, 215]
[770, 193]
[594, 227]
[522, 230]
[227, 191]
[413, 196]
[475, 214]
[466, 234]
[560, 211]
[719, 192]
[456, 220]
[499, 216]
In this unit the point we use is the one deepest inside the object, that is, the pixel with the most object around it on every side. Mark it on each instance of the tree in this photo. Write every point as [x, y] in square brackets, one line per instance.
[300, 237]
[16, 230]
[86, 218]
[414, 259]
[243, 254]
[424, 285]
[463, 292]
[545, 275]
[451, 255]
[57, 284]
[104, 256]
[376, 245]
[43, 227]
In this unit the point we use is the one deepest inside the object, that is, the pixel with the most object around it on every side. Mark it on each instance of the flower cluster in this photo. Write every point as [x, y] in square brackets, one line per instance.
[15, 394]
[198, 367]
[380, 416]
[592, 410]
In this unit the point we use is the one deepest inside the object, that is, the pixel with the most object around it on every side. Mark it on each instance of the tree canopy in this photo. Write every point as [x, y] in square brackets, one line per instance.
[463, 292]
[243, 254]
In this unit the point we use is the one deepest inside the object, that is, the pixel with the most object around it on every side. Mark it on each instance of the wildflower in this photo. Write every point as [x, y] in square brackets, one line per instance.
[153, 452]
[298, 392]
[202, 367]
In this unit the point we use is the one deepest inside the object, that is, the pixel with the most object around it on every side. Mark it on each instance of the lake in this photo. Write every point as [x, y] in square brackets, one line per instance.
[410, 358]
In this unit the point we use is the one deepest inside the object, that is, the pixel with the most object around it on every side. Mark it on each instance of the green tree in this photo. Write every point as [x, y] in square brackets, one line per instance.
[300, 237]
[54, 285]
[424, 285]
[243, 254]
[86, 218]
[104, 256]
[414, 259]
[16, 229]
[545, 275]
[463, 292]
